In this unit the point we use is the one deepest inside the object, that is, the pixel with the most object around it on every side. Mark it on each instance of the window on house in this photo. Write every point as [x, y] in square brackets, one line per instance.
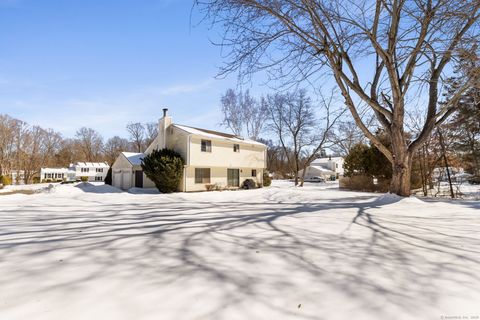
[99, 169]
[202, 175]
[254, 173]
[236, 148]
[206, 146]
[336, 165]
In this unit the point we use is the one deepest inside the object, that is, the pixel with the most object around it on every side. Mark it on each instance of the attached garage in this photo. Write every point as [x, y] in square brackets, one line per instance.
[127, 172]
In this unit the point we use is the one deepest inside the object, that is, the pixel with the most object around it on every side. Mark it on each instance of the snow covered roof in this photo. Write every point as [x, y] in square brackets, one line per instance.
[55, 170]
[134, 158]
[320, 169]
[90, 164]
[216, 135]
[326, 160]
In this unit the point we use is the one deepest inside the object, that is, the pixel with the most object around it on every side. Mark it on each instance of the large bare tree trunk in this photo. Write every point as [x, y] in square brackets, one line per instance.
[401, 173]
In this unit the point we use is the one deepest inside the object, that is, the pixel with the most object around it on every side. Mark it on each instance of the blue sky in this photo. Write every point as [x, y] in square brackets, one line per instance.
[65, 64]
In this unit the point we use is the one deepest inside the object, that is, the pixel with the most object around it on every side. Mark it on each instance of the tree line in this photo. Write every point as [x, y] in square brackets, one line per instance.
[27, 148]
[297, 131]
[385, 57]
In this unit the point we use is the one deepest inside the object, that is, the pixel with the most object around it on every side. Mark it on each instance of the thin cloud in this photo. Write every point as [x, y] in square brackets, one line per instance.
[179, 88]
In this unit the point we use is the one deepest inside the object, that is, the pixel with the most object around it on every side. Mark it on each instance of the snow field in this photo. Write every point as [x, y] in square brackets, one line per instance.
[93, 252]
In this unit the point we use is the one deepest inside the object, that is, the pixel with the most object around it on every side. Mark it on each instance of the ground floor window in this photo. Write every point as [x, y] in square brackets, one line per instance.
[202, 175]
[98, 179]
[254, 173]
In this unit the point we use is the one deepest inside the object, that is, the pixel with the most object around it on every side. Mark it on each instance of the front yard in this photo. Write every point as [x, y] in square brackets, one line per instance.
[281, 252]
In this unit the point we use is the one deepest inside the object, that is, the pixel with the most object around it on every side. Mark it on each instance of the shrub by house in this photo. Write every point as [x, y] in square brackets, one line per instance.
[165, 168]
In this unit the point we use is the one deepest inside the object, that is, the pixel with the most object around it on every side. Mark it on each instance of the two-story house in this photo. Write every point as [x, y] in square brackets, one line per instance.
[211, 158]
[93, 171]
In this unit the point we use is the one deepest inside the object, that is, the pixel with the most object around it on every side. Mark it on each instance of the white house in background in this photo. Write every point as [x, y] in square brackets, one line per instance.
[17, 176]
[56, 174]
[327, 168]
[211, 158]
[94, 171]
[456, 174]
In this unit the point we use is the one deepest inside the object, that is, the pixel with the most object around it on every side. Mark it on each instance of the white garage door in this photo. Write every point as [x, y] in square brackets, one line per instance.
[127, 180]
[117, 179]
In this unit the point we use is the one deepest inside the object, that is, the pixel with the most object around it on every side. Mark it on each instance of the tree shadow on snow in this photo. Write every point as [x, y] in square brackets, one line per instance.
[251, 253]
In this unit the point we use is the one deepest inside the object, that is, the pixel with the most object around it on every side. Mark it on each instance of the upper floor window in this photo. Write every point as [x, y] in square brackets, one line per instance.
[336, 165]
[99, 169]
[254, 173]
[84, 169]
[206, 146]
[236, 148]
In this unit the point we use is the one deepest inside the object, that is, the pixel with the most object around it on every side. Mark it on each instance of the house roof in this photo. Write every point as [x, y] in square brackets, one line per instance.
[134, 158]
[56, 170]
[216, 135]
[326, 160]
[90, 164]
[320, 170]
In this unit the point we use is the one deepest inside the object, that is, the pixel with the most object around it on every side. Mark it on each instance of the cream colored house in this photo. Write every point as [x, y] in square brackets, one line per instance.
[211, 158]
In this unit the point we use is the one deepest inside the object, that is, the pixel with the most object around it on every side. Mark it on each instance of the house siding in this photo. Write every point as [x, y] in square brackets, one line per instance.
[218, 176]
[222, 154]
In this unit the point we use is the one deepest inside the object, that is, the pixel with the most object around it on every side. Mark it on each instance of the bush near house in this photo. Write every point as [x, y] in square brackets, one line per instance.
[108, 177]
[5, 180]
[362, 165]
[249, 184]
[165, 168]
[84, 179]
[267, 181]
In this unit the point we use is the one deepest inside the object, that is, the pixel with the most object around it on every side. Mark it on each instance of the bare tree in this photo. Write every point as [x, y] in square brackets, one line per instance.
[8, 129]
[243, 114]
[405, 45]
[344, 136]
[323, 136]
[232, 112]
[137, 135]
[113, 147]
[292, 120]
[151, 131]
[90, 142]
[67, 153]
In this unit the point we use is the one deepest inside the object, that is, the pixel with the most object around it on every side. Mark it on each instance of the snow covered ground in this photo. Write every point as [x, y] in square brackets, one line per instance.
[93, 252]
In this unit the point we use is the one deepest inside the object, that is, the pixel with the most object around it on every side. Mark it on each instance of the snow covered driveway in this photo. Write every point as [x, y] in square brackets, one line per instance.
[275, 253]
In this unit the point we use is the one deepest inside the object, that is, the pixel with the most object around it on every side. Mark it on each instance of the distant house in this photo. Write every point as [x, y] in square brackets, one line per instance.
[94, 171]
[56, 174]
[211, 158]
[17, 176]
[327, 168]
[457, 174]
